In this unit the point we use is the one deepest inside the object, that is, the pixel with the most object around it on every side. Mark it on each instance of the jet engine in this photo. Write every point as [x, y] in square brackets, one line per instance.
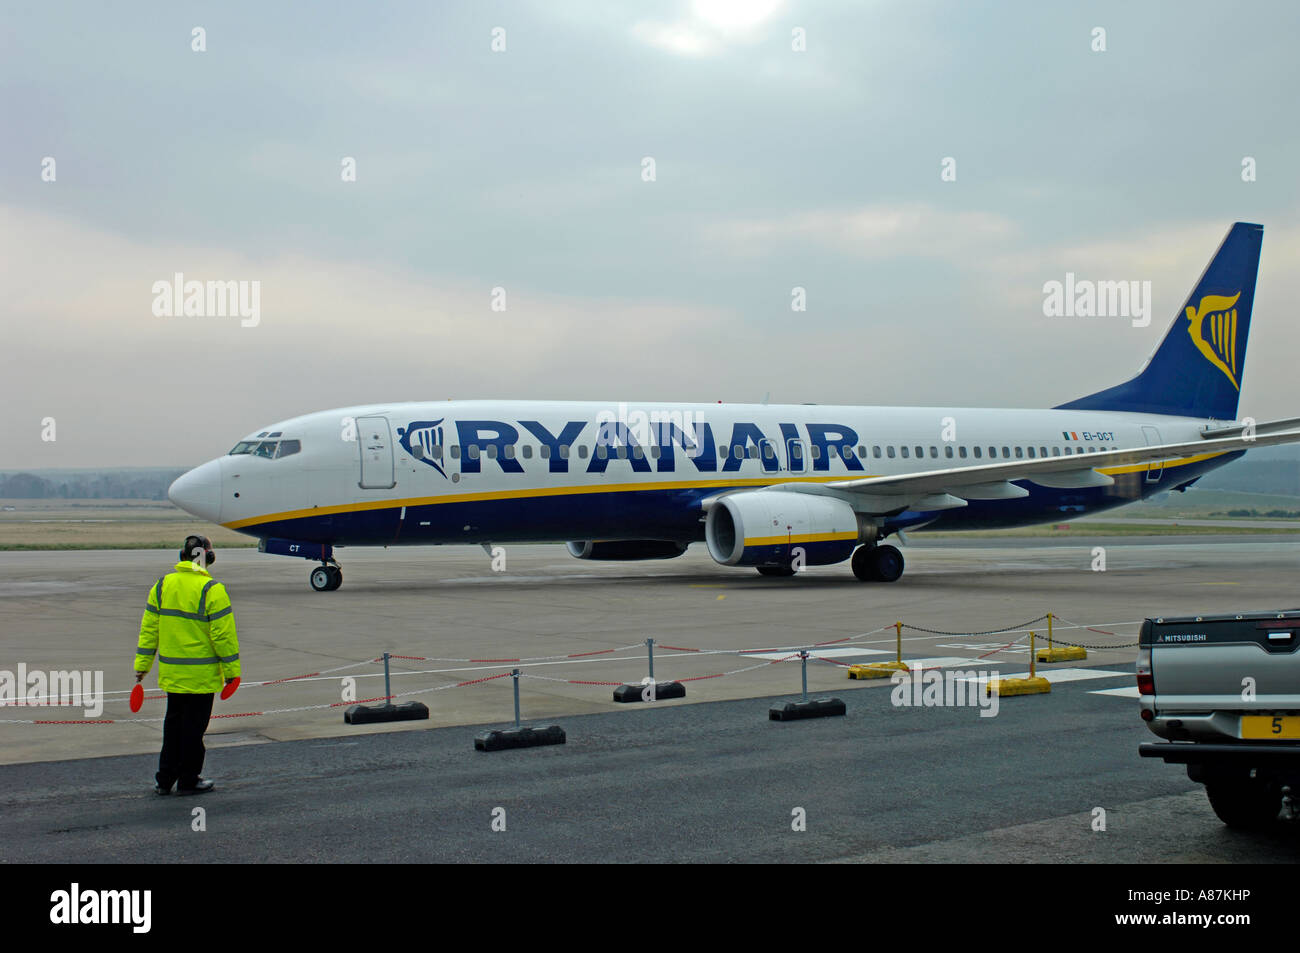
[775, 527]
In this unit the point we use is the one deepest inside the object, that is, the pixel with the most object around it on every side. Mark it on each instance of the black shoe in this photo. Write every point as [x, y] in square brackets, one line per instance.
[203, 787]
[159, 789]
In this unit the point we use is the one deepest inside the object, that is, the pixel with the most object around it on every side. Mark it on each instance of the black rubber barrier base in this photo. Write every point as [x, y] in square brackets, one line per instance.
[813, 708]
[502, 738]
[636, 693]
[374, 714]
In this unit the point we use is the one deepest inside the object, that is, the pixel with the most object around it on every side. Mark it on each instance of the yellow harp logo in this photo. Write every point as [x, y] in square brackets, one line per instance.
[1213, 327]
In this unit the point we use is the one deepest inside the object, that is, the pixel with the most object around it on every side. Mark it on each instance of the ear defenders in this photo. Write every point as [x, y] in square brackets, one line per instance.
[192, 543]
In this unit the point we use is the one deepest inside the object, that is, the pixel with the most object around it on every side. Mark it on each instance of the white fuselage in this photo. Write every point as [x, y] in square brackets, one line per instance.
[475, 471]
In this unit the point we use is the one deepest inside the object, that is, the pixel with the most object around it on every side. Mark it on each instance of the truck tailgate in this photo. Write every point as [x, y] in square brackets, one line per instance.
[1245, 663]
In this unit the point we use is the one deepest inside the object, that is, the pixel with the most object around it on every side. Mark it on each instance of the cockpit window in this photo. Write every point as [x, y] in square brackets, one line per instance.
[269, 449]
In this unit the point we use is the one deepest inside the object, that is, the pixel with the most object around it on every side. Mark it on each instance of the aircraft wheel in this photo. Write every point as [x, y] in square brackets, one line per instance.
[336, 577]
[887, 562]
[864, 565]
[321, 579]
[781, 571]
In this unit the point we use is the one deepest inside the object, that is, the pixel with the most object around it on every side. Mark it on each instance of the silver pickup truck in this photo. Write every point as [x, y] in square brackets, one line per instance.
[1224, 693]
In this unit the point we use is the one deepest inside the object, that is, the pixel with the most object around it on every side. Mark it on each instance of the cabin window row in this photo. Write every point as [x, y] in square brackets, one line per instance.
[905, 452]
[978, 452]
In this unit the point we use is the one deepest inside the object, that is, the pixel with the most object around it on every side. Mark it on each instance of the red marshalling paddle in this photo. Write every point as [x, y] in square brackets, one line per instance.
[137, 697]
[230, 688]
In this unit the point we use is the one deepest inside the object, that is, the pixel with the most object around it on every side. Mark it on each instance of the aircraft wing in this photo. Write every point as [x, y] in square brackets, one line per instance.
[951, 488]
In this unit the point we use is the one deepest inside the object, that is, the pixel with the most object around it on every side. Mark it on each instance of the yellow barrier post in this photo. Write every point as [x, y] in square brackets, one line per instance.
[1066, 653]
[1033, 685]
[883, 669]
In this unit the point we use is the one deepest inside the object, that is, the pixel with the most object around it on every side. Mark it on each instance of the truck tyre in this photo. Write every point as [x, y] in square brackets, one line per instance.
[1245, 803]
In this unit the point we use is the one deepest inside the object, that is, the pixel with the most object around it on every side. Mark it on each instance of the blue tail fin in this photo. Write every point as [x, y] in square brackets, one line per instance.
[1197, 369]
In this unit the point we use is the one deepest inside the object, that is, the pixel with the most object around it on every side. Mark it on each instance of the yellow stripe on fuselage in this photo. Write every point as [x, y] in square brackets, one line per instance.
[609, 488]
[1169, 464]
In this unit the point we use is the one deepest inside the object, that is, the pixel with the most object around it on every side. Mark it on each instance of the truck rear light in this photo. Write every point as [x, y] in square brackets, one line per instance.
[1146, 681]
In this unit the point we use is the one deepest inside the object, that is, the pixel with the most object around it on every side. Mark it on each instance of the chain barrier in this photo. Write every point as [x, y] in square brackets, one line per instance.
[1010, 628]
[575, 658]
[512, 661]
[693, 678]
[1095, 648]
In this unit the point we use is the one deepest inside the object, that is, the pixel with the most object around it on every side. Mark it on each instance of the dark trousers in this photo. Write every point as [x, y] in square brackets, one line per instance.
[182, 750]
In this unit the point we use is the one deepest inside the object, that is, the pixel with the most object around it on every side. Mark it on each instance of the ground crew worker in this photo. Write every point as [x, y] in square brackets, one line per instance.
[190, 625]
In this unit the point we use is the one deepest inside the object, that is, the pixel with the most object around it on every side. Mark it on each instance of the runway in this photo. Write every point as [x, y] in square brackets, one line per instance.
[81, 610]
[703, 778]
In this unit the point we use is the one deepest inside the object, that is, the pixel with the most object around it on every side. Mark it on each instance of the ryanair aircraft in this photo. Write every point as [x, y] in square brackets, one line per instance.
[776, 488]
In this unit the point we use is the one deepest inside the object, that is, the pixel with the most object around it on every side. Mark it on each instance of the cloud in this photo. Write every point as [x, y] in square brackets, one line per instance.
[711, 27]
[127, 388]
[683, 39]
[874, 231]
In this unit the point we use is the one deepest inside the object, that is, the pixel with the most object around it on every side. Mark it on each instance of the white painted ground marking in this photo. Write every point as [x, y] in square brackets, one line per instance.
[1055, 675]
[824, 653]
[946, 661]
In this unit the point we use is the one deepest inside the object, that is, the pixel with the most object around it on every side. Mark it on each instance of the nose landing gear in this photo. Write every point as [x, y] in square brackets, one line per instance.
[326, 577]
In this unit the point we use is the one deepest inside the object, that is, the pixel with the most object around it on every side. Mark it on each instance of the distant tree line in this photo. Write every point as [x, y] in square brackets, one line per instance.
[1275, 514]
[1276, 477]
[84, 485]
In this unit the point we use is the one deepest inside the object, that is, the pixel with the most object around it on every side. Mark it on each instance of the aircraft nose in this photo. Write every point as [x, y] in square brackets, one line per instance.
[199, 491]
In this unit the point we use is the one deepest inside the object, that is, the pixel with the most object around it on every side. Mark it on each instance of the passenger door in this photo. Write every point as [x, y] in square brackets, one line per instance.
[374, 439]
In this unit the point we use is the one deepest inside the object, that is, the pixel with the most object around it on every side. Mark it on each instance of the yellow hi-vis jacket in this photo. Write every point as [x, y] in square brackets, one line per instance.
[190, 625]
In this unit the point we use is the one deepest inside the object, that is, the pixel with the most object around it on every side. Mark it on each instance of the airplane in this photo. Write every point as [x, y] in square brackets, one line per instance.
[775, 488]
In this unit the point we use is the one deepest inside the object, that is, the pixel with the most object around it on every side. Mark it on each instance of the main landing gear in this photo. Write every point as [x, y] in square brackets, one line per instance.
[326, 577]
[873, 563]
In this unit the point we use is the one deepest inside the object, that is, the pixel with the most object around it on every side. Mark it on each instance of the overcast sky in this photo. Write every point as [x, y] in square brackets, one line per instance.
[522, 169]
